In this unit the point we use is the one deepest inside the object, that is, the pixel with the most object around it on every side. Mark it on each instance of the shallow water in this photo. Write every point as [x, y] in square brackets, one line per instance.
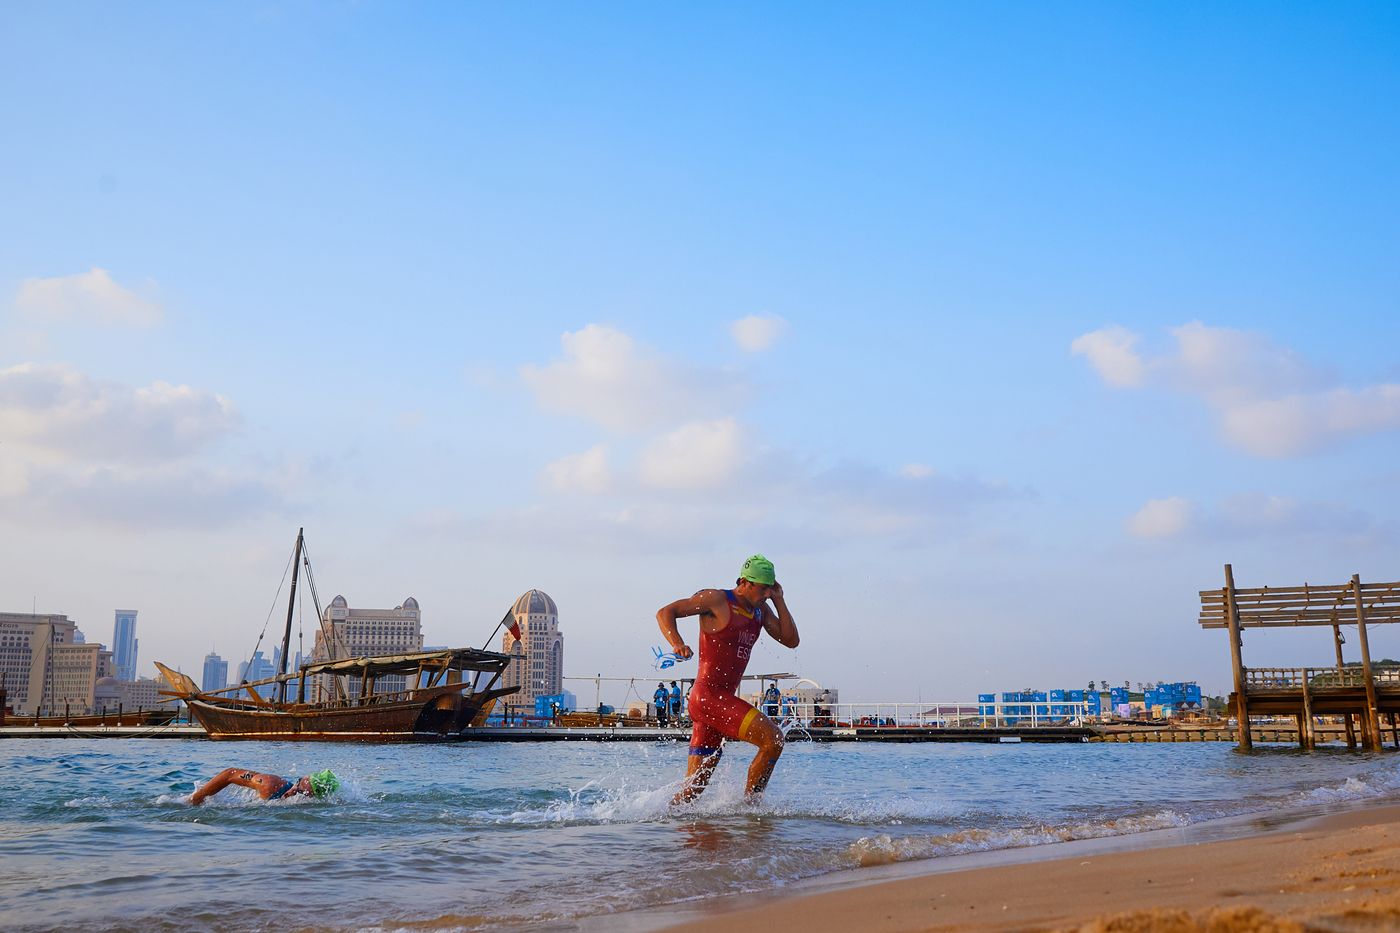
[97, 833]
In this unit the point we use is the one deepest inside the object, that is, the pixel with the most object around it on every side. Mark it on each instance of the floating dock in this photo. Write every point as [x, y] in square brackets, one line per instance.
[1008, 734]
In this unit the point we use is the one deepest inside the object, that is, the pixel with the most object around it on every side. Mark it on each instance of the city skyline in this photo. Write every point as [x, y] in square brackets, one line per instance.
[999, 334]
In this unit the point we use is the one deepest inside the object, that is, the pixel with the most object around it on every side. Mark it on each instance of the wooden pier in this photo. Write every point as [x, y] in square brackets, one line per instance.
[1356, 696]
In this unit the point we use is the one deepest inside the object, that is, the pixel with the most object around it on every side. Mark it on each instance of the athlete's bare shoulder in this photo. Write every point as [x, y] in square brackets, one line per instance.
[709, 601]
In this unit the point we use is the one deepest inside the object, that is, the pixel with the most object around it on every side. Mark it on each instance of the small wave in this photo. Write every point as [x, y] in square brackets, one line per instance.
[1368, 787]
[885, 849]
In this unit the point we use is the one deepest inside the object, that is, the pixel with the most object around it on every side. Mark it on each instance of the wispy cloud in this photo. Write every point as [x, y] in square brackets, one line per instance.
[1161, 518]
[586, 472]
[700, 455]
[92, 296]
[1112, 352]
[1253, 515]
[608, 378]
[81, 451]
[182, 495]
[756, 332]
[1268, 399]
[680, 471]
[63, 413]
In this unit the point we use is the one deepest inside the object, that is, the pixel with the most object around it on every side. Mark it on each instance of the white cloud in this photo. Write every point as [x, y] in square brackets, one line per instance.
[1269, 400]
[1297, 424]
[1225, 365]
[757, 332]
[90, 296]
[608, 378]
[1263, 516]
[701, 455]
[169, 496]
[1161, 518]
[61, 412]
[1111, 352]
[587, 471]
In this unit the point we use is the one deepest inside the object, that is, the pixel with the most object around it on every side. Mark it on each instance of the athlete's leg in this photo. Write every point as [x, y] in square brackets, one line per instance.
[764, 733]
[706, 747]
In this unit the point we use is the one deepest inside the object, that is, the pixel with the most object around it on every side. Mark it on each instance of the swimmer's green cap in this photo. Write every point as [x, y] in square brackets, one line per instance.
[324, 783]
[758, 569]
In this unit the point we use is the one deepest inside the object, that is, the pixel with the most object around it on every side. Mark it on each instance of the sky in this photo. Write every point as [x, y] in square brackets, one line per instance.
[1000, 328]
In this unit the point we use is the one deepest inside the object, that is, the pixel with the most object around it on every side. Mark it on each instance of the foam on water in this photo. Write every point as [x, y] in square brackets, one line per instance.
[883, 849]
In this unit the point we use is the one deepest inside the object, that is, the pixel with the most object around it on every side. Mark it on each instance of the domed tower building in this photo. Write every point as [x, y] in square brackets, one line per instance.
[537, 667]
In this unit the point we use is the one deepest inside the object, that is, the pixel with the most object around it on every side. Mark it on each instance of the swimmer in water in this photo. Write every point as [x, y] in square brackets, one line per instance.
[269, 786]
[730, 621]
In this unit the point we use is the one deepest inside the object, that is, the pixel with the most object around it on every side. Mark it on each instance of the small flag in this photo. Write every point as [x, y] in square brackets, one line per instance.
[514, 629]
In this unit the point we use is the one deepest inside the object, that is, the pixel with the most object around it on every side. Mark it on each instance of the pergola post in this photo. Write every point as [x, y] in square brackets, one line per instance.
[1373, 719]
[1232, 618]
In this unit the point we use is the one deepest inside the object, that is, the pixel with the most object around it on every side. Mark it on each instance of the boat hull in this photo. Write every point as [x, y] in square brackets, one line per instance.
[427, 715]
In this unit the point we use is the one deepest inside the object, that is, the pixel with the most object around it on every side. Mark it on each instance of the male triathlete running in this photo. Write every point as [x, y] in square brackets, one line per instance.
[730, 621]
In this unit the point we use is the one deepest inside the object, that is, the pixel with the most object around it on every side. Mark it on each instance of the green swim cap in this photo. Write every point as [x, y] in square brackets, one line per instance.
[758, 569]
[324, 783]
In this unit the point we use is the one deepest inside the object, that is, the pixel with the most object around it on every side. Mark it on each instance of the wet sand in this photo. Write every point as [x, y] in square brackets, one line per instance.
[1332, 873]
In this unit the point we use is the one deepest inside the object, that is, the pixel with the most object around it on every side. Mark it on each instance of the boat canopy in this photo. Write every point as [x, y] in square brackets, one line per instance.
[459, 659]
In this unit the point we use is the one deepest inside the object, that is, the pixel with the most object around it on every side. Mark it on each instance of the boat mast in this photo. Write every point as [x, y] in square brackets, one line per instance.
[287, 633]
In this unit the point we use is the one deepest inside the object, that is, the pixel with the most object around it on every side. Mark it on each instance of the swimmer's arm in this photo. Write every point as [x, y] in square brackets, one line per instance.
[702, 603]
[779, 623]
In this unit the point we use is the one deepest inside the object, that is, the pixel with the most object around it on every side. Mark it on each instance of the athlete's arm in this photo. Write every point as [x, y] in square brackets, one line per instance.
[779, 623]
[702, 603]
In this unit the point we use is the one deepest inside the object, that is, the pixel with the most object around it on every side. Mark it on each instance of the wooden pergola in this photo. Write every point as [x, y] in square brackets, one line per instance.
[1308, 692]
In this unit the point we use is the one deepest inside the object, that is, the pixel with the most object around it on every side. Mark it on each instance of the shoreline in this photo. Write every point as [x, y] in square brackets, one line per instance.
[1316, 868]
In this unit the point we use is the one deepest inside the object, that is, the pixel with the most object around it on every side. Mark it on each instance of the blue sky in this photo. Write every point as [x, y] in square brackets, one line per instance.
[1000, 328]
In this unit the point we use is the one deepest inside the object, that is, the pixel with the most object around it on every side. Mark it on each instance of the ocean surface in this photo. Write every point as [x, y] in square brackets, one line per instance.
[97, 834]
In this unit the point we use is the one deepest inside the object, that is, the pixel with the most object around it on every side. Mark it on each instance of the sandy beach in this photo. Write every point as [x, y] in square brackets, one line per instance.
[1333, 873]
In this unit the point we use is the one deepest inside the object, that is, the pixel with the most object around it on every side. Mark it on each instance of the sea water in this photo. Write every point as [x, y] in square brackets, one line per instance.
[98, 834]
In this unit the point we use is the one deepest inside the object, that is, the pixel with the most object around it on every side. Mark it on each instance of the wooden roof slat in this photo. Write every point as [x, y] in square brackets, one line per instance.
[1343, 588]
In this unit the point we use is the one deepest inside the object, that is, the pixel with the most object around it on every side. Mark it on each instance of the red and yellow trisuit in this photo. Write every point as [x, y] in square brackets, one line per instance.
[716, 712]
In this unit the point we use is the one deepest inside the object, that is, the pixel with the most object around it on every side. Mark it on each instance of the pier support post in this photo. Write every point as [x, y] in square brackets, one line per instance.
[1351, 730]
[1373, 719]
[1232, 617]
[1307, 738]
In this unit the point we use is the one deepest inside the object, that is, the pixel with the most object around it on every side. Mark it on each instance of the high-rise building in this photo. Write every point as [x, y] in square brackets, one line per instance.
[215, 673]
[537, 665]
[124, 644]
[258, 667]
[45, 664]
[350, 633]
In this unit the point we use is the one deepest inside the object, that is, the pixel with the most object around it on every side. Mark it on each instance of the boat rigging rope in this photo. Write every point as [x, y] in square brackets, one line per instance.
[271, 609]
[329, 636]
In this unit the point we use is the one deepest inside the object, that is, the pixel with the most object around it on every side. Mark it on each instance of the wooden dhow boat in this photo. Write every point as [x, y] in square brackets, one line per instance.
[446, 691]
[444, 703]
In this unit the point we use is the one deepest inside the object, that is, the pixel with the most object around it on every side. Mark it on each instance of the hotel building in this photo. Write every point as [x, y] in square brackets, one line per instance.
[350, 633]
[537, 665]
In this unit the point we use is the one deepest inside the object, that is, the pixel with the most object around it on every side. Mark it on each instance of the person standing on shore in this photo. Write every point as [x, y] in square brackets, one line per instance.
[661, 700]
[730, 622]
[675, 703]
